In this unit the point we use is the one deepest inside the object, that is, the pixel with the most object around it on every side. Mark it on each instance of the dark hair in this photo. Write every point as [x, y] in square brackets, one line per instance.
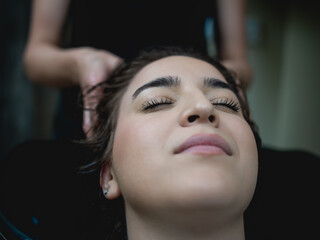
[101, 143]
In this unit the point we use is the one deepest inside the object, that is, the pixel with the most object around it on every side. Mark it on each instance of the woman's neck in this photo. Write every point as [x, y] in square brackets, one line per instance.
[187, 227]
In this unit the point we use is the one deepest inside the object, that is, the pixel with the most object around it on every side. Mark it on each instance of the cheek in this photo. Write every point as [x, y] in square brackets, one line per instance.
[247, 154]
[239, 130]
[137, 137]
[137, 150]
[138, 157]
[128, 146]
[246, 143]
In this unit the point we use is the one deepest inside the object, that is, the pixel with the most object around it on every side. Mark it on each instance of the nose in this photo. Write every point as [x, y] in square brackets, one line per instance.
[199, 111]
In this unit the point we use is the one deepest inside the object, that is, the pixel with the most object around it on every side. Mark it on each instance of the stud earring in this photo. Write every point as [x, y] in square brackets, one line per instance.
[105, 192]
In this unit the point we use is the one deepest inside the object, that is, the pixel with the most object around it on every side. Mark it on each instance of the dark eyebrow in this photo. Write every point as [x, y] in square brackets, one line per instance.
[216, 83]
[168, 81]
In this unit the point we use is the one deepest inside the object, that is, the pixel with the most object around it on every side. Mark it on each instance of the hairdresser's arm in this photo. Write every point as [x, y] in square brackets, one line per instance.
[46, 62]
[232, 19]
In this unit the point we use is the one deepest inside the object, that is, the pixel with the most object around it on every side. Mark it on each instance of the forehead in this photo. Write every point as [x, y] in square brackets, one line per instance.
[187, 68]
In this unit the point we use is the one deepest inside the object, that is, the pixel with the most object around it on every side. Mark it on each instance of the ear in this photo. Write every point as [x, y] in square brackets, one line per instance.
[109, 182]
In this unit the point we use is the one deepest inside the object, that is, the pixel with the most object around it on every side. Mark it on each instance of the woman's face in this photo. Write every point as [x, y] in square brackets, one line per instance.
[181, 140]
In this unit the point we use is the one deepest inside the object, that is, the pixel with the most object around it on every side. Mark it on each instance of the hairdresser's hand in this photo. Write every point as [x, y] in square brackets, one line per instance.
[242, 69]
[93, 67]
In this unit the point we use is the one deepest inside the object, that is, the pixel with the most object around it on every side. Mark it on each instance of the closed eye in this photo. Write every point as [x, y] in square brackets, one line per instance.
[226, 104]
[156, 103]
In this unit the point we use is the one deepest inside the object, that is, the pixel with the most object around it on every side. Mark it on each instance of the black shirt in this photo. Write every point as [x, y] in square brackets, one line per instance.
[124, 26]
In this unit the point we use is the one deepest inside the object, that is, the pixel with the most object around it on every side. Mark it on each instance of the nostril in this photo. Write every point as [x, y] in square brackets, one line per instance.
[211, 118]
[192, 118]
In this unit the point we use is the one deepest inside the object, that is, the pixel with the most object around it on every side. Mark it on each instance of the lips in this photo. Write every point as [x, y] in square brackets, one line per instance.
[206, 144]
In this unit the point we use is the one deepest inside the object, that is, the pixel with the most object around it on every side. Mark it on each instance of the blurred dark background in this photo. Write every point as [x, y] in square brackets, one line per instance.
[26, 109]
[284, 51]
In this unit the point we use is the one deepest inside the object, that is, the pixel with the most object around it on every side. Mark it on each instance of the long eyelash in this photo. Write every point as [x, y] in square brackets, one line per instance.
[229, 103]
[155, 103]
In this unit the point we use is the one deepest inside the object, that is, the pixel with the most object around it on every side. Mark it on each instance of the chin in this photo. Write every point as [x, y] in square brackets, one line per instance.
[216, 185]
[208, 193]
